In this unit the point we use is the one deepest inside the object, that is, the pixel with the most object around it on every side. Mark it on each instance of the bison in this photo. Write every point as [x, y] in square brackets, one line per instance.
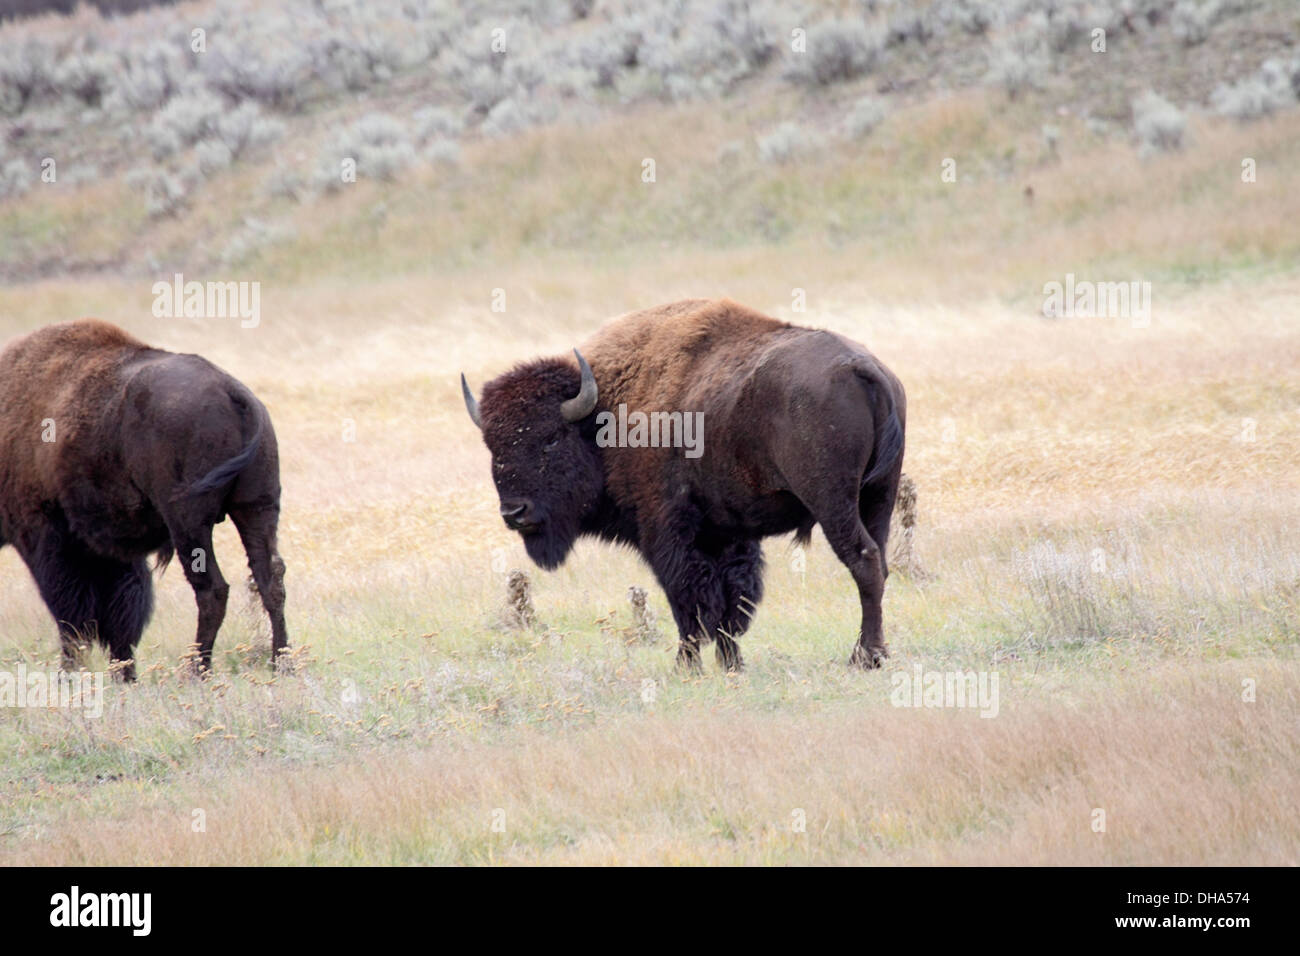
[112, 451]
[804, 427]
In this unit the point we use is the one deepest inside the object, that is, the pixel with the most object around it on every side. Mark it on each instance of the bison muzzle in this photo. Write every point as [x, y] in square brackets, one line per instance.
[805, 427]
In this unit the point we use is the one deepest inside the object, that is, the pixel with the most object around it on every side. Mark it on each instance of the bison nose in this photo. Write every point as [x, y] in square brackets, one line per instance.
[515, 513]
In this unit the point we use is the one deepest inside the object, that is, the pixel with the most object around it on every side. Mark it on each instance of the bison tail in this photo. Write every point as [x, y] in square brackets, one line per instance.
[229, 470]
[803, 533]
[889, 434]
[889, 448]
[163, 557]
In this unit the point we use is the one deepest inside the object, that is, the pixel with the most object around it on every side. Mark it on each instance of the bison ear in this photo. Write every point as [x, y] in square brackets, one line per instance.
[471, 403]
[584, 403]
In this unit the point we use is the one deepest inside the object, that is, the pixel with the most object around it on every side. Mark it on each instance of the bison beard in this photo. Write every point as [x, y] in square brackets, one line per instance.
[806, 428]
[111, 451]
[549, 546]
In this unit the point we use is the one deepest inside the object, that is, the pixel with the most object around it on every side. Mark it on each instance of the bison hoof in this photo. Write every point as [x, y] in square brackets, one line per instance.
[689, 661]
[123, 670]
[730, 661]
[868, 658]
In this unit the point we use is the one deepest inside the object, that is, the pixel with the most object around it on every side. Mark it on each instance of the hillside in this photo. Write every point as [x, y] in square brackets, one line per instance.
[167, 159]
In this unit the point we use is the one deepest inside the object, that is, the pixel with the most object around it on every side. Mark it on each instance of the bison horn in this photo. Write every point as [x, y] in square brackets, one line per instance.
[581, 405]
[471, 403]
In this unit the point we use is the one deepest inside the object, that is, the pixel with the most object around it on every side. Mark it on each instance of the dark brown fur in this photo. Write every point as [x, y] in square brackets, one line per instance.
[802, 427]
[152, 449]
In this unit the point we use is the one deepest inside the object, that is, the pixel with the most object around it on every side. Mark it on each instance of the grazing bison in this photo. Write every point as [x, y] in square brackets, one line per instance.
[804, 427]
[111, 451]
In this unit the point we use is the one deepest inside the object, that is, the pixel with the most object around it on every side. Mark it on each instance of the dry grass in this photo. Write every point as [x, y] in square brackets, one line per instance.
[1186, 772]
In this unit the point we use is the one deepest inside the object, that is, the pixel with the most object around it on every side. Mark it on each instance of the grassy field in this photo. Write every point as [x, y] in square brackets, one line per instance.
[1109, 519]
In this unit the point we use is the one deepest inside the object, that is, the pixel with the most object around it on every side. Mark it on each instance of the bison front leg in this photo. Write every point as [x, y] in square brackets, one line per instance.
[697, 598]
[50, 554]
[90, 596]
[694, 604]
[740, 567]
[124, 602]
[712, 596]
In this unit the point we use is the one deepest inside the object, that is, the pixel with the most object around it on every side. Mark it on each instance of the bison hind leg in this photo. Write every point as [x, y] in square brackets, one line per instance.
[859, 552]
[192, 540]
[257, 530]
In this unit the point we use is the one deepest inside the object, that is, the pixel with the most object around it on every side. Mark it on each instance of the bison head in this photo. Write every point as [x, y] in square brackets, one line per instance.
[536, 421]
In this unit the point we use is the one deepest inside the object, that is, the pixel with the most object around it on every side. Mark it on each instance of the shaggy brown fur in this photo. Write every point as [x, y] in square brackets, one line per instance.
[802, 427]
[111, 451]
